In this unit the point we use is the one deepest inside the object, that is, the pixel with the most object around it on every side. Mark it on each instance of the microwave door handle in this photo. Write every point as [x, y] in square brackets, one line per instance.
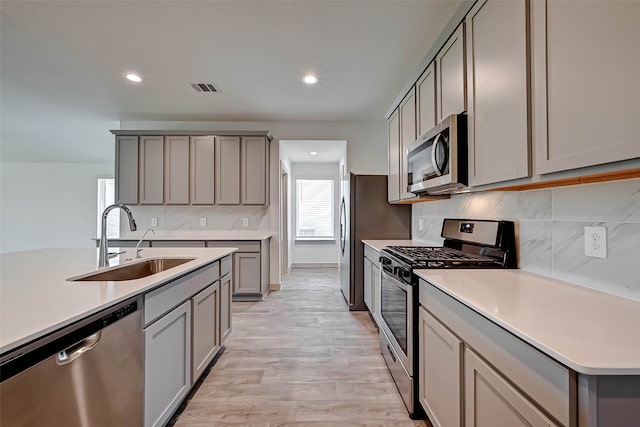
[434, 148]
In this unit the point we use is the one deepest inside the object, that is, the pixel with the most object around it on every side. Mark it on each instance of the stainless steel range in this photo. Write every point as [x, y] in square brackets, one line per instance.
[467, 244]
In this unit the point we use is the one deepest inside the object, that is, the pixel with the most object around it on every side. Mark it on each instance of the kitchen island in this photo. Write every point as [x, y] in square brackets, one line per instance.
[161, 319]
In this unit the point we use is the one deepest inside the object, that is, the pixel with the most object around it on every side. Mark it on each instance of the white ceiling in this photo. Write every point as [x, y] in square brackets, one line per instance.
[62, 65]
[328, 151]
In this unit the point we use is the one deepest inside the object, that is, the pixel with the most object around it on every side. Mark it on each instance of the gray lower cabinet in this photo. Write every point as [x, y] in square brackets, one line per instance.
[372, 291]
[246, 271]
[250, 278]
[377, 292]
[490, 401]
[182, 336]
[226, 286]
[167, 377]
[440, 358]
[205, 307]
[506, 381]
[368, 285]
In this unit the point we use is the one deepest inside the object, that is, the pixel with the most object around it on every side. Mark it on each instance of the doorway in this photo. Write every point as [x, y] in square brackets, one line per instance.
[284, 219]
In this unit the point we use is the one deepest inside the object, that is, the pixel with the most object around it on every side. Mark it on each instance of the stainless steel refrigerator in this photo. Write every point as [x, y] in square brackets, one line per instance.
[365, 214]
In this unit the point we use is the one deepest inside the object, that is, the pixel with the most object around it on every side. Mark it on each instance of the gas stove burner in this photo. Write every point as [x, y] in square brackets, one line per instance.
[421, 254]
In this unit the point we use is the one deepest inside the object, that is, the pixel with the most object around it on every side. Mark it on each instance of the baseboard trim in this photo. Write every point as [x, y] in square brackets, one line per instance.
[274, 286]
[315, 265]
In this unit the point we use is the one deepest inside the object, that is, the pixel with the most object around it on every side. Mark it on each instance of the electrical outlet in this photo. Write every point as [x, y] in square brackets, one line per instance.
[595, 242]
[154, 222]
[245, 222]
[420, 224]
[203, 222]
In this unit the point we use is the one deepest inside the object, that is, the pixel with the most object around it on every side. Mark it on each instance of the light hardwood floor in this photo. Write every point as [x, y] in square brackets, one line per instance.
[299, 358]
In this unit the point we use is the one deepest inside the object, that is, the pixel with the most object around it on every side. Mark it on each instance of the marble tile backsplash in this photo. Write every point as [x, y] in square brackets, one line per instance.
[550, 229]
[188, 217]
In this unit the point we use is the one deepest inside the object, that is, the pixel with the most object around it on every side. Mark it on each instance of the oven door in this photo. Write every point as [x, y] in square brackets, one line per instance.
[397, 312]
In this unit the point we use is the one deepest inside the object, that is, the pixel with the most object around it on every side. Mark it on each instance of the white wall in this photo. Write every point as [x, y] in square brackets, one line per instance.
[315, 252]
[45, 205]
[366, 154]
[550, 230]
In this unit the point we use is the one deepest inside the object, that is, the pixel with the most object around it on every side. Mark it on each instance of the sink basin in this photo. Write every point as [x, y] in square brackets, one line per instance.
[136, 270]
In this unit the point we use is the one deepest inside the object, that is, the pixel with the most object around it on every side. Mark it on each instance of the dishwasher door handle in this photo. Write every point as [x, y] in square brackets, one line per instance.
[76, 350]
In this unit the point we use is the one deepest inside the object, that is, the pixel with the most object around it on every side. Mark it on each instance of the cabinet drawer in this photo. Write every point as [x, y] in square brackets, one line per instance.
[161, 300]
[545, 381]
[372, 255]
[226, 264]
[243, 246]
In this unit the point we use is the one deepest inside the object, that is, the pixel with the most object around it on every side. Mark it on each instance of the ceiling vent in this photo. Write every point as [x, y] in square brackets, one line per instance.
[204, 87]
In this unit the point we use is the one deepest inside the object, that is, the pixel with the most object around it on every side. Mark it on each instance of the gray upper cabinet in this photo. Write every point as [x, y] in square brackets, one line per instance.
[255, 167]
[176, 167]
[426, 102]
[407, 111]
[202, 170]
[126, 169]
[585, 88]
[151, 170]
[393, 134]
[228, 170]
[498, 126]
[451, 76]
[194, 167]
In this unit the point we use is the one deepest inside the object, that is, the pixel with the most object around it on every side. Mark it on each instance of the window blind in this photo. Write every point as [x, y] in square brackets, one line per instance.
[314, 208]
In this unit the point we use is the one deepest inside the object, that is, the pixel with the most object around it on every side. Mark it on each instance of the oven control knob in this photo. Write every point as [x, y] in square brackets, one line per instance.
[396, 270]
[384, 260]
[435, 264]
[406, 273]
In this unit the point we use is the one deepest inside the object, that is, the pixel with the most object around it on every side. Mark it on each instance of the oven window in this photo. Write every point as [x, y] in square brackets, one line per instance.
[394, 311]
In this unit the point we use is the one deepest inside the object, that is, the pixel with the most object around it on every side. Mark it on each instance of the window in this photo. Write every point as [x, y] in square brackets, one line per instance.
[314, 208]
[106, 197]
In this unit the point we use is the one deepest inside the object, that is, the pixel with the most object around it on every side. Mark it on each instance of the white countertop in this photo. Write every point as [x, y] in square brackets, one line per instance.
[196, 235]
[378, 245]
[36, 298]
[589, 331]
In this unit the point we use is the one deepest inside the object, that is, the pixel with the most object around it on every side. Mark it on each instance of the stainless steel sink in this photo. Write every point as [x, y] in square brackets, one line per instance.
[136, 270]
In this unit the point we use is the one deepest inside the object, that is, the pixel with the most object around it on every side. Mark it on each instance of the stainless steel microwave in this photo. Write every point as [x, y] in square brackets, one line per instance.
[437, 161]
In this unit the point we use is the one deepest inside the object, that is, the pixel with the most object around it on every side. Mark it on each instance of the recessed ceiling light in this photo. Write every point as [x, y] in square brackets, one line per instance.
[313, 153]
[134, 78]
[310, 79]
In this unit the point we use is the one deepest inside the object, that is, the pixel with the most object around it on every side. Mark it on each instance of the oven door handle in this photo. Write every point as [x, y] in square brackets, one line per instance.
[396, 282]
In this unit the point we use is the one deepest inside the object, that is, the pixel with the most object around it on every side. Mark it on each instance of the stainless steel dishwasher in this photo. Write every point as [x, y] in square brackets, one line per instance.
[87, 374]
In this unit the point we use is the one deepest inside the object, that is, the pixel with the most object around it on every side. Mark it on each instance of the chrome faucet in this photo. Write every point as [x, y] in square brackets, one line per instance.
[103, 259]
[138, 250]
